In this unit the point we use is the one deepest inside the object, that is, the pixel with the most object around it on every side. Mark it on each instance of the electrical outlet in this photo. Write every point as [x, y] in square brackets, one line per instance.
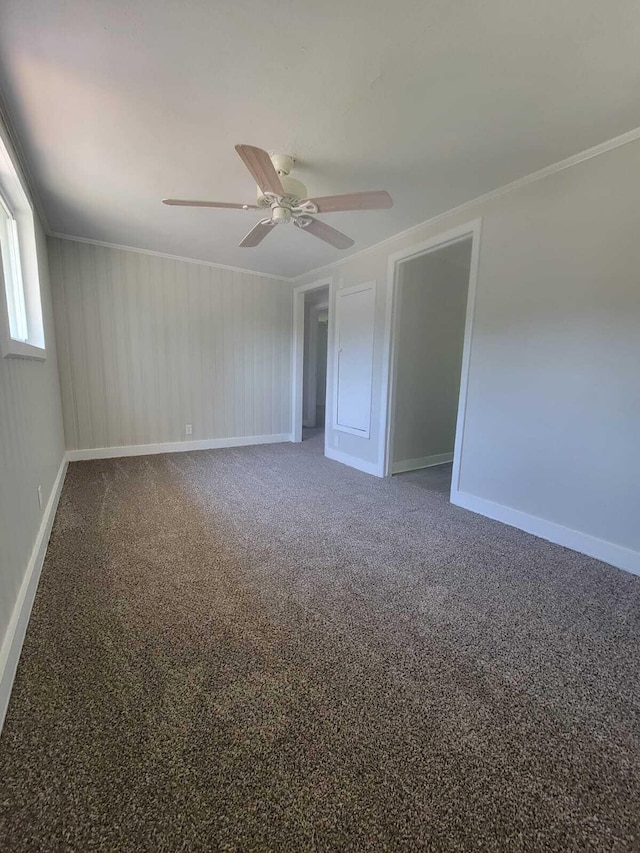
[188, 429]
[40, 496]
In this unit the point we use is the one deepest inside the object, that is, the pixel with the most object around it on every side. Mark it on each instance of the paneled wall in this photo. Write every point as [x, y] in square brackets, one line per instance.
[31, 452]
[149, 344]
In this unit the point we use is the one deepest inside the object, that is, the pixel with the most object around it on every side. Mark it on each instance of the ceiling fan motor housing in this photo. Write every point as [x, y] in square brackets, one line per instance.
[282, 163]
[293, 189]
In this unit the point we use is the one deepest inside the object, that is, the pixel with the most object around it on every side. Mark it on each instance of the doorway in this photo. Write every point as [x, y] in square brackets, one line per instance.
[428, 333]
[314, 368]
[311, 349]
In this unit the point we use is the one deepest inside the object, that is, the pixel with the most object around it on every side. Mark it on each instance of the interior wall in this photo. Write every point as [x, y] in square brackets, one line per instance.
[431, 313]
[31, 448]
[553, 398]
[149, 344]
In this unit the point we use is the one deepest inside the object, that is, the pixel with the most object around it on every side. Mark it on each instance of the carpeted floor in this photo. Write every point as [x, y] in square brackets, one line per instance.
[261, 649]
[435, 479]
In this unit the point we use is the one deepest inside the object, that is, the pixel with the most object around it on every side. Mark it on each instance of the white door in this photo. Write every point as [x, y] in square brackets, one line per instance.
[355, 312]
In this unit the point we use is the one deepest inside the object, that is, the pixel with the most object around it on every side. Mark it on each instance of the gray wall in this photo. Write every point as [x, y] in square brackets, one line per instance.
[31, 448]
[554, 397]
[148, 344]
[432, 302]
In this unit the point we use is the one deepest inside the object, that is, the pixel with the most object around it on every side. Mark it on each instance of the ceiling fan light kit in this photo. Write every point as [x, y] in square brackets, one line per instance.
[288, 201]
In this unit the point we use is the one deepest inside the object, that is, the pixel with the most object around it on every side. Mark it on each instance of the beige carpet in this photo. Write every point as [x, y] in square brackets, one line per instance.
[260, 649]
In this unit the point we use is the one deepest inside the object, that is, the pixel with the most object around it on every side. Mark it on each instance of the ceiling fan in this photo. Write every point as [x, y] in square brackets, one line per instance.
[287, 199]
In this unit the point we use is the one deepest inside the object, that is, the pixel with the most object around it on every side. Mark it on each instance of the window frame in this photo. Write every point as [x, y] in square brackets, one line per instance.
[20, 300]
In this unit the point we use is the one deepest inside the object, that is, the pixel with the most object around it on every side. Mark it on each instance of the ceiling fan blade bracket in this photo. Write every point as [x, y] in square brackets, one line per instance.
[306, 206]
[268, 199]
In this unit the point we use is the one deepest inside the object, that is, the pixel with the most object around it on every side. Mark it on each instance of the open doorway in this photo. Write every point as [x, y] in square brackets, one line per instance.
[311, 357]
[429, 335]
[314, 369]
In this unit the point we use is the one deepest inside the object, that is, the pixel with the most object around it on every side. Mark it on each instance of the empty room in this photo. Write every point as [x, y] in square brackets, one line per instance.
[319, 426]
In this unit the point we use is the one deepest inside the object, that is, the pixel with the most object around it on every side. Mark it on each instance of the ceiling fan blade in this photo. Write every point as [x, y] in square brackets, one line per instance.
[326, 232]
[257, 234]
[184, 202]
[259, 164]
[373, 200]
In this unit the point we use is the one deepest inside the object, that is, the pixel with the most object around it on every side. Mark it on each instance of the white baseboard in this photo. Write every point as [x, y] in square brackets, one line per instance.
[353, 462]
[16, 630]
[608, 552]
[174, 446]
[421, 462]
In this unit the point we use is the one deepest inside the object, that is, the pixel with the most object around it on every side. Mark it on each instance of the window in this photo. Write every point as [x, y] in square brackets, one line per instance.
[12, 271]
[21, 326]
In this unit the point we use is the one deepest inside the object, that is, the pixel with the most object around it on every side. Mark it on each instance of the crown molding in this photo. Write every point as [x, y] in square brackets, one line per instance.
[166, 256]
[567, 163]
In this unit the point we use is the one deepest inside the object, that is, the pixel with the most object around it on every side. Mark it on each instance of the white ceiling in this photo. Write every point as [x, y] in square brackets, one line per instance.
[119, 103]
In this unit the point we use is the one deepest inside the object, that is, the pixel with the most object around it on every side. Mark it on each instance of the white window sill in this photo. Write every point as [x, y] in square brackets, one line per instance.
[17, 349]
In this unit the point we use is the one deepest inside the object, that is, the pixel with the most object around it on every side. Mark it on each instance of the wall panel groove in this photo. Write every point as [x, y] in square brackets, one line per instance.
[31, 452]
[149, 344]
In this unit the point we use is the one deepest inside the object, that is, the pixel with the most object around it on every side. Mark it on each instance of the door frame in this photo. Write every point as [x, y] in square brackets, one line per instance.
[297, 364]
[455, 235]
